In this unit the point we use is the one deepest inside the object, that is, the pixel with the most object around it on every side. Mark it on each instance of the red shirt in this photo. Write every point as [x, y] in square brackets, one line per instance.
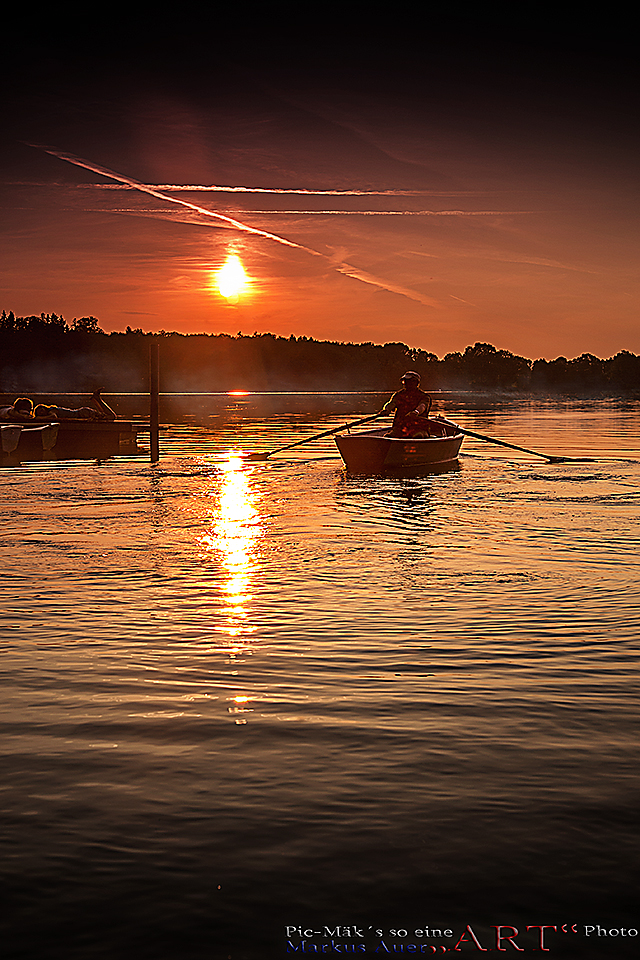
[404, 401]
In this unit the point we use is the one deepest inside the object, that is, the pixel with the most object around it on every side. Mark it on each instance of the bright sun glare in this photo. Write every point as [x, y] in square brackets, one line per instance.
[231, 278]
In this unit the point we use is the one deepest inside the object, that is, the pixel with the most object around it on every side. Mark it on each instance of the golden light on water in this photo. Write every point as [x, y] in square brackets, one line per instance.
[236, 533]
[231, 279]
[232, 539]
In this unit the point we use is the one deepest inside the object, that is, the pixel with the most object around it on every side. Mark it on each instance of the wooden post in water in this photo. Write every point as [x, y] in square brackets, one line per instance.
[154, 401]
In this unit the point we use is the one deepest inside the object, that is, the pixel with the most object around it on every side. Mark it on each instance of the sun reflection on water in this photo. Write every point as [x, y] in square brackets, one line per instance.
[231, 539]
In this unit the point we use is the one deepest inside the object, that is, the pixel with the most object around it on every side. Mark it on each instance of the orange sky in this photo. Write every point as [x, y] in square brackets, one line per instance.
[436, 200]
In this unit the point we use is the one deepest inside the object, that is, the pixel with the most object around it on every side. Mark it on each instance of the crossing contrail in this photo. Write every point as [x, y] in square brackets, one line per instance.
[161, 195]
[345, 268]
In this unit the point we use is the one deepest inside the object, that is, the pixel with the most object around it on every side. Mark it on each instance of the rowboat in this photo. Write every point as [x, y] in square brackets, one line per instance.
[375, 452]
[68, 440]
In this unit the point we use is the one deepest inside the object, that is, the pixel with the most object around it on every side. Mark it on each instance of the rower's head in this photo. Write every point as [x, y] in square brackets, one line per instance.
[23, 405]
[410, 379]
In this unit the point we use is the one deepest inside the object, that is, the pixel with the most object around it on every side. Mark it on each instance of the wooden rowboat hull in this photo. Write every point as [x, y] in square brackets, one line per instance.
[374, 452]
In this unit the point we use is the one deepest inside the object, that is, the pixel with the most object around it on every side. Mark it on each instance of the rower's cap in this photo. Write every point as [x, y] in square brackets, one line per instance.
[410, 375]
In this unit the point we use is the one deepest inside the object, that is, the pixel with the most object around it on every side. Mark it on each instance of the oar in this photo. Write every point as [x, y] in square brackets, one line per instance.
[513, 446]
[317, 436]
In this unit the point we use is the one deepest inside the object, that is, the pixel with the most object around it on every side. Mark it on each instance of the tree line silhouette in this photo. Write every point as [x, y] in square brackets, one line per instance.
[46, 354]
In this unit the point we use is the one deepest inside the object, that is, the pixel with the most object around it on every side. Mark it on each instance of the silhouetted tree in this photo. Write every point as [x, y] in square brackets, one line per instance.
[623, 371]
[86, 325]
[45, 353]
[491, 369]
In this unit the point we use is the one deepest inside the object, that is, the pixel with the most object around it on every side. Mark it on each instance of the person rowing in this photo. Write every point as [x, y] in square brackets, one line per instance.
[411, 405]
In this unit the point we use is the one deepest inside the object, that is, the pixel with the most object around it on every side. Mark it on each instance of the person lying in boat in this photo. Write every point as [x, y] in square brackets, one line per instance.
[21, 409]
[99, 410]
[411, 405]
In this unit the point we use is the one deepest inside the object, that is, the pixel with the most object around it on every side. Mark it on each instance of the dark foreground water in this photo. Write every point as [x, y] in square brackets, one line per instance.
[253, 710]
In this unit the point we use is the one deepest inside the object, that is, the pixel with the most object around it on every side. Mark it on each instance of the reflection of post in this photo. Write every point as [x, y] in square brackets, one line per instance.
[154, 404]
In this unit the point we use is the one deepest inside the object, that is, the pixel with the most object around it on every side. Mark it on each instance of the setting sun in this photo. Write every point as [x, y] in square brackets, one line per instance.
[231, 279]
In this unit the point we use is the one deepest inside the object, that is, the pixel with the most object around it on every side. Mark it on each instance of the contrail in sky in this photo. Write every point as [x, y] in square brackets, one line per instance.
[214, 188]
[393, 213]
[365, 277]
[343, 268]
[152, 191]
[351, 213]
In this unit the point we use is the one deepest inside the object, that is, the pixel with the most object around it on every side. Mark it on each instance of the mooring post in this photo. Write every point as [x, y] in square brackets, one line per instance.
[154, 401]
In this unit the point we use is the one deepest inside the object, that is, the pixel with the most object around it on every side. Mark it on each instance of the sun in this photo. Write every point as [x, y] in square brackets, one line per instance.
[231, 279]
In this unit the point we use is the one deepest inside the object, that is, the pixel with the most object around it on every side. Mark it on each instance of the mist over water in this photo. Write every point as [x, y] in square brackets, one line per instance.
[241, 697]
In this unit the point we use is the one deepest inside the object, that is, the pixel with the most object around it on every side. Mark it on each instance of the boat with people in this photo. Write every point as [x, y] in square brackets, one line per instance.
[68, 440]
[377, 451]
[51, 432]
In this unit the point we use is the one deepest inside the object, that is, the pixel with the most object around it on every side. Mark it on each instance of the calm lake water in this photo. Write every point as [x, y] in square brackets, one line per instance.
[260, 709]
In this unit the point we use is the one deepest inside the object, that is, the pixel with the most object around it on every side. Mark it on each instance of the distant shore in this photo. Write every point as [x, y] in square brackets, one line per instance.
[47, 355]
